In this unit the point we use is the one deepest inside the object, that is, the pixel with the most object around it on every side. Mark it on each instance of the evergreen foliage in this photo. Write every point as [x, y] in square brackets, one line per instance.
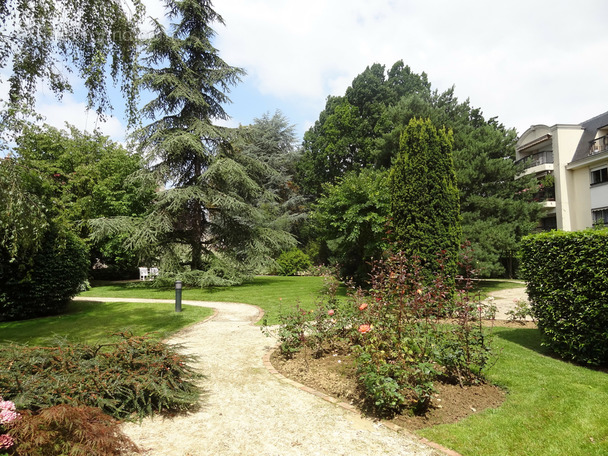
[424, 197]
[42, 283]
[272, 142]
[131, 377]
[213, 205]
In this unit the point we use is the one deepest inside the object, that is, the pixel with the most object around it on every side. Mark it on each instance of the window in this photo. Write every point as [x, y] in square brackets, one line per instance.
[600, 216]
[599, 176]
[548, 223]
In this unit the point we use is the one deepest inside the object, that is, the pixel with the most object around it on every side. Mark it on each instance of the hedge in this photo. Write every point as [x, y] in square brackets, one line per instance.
[43, 283]
[567, 282]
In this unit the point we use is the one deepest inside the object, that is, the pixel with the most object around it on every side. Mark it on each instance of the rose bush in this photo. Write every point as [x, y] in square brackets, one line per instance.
[405, 331]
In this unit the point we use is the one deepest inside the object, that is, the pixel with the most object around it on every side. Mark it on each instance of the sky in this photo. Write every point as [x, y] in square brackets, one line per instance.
[524, 62]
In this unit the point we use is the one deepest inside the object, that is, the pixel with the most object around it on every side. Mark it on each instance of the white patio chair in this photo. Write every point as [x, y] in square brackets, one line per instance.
[143, 273]
[153, 273]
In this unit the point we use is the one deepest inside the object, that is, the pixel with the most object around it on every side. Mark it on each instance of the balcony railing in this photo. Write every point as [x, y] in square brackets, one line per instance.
[545, 194]
[599, 145]
[539, 158]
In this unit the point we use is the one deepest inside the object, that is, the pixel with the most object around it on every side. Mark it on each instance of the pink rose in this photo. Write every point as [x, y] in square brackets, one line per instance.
[6, 441]
[364, 329]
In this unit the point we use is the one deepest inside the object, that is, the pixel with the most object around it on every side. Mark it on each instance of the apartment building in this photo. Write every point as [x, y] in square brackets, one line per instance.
[571, 163]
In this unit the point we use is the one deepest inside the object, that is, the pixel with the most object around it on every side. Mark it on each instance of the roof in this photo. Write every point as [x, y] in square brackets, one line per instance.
[590, 128]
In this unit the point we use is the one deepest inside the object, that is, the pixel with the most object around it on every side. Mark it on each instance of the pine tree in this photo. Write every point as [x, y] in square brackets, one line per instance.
[424, 196]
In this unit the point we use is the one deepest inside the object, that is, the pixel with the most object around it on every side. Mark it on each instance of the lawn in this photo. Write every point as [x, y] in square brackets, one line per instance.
[552, 407]
[271, 293]
[96, 322]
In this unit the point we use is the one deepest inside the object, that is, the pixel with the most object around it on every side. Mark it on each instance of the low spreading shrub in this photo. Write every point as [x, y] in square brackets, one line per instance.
[568, 287]
[133, 377]
[69, 430]
[216, 272]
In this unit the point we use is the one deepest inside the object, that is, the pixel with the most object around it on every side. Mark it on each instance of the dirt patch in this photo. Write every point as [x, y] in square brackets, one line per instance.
[334, 373]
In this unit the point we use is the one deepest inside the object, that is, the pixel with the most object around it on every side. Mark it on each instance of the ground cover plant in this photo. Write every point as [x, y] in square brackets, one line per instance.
[131, 376]
[71, 396]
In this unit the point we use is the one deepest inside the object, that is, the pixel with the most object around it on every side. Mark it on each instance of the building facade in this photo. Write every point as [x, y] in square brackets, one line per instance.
[571, 164]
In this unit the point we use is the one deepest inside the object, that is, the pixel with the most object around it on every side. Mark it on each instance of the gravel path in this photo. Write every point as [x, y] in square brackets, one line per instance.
[248, 411]
[504, 300]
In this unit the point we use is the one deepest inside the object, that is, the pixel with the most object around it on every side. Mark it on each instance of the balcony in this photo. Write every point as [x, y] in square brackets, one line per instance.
[537, 159]
[546, 194]
[598, 145]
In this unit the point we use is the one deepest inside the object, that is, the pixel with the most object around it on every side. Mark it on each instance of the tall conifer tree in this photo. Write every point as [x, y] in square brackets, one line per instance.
[424, 196]
[210, 207]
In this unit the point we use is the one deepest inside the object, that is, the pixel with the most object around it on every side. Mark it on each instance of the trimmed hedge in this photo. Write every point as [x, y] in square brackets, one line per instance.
[43, 283]
[567, 276]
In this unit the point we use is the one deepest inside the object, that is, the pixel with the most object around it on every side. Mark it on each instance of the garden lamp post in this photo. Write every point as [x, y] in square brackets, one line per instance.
[178, 296]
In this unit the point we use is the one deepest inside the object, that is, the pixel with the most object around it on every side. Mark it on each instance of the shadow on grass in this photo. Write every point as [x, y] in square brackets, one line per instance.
[92, 322]
[529, 338]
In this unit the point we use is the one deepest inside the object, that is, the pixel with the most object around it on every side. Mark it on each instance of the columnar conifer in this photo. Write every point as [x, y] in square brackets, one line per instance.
[424, 196]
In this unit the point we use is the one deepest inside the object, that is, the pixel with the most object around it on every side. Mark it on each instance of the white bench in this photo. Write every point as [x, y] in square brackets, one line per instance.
[148, 273]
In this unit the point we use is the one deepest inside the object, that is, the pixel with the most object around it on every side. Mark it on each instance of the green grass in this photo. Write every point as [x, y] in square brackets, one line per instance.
[552, 407]
[271, 293]
[486, 286]
[96, 322]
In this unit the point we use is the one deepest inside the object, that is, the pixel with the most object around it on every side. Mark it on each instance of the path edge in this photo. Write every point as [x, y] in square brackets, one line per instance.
[349, 407]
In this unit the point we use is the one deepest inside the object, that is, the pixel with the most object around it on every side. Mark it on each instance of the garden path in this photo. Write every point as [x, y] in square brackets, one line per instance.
[504, 300]
[246, 410]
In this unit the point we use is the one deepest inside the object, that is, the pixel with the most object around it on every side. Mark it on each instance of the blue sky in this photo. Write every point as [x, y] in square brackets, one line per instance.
[525, 62]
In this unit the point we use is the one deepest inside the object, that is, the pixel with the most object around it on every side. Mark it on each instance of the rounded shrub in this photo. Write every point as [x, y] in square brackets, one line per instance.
[43, 283]
[293, 262]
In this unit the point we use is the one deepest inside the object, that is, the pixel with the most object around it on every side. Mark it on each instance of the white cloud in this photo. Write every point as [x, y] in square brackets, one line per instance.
[517, 60]
[74, 112]
[524, 61]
